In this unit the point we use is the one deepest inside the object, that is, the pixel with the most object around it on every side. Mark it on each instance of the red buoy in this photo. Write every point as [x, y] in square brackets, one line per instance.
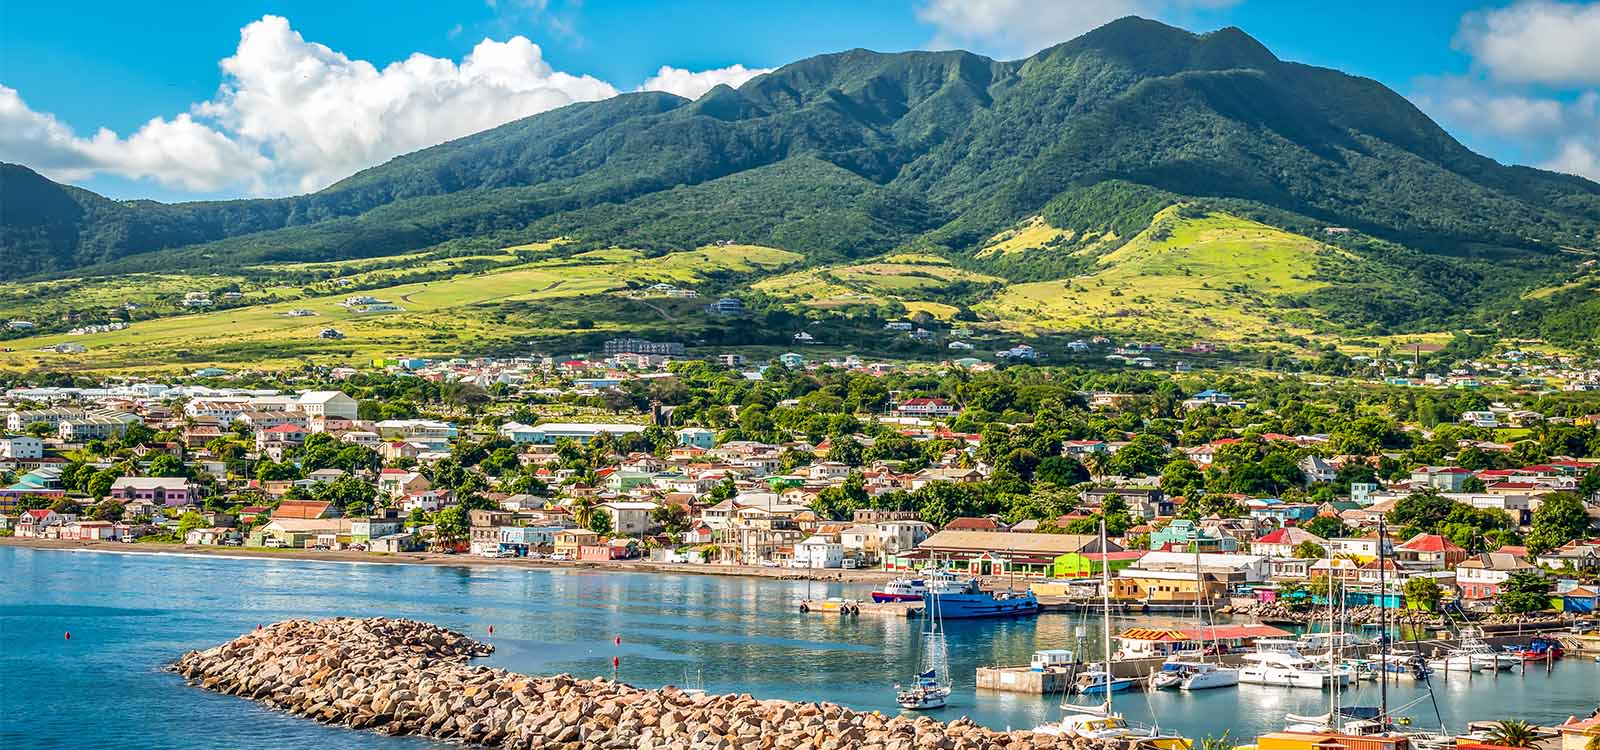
[619, 640]
[69, 635]
[491, 630]
[615, 662]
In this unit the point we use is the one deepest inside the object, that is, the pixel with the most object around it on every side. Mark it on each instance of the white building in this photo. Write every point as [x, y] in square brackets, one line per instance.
[21, 447]
[818, 552]
[631, 519]
[327, 404]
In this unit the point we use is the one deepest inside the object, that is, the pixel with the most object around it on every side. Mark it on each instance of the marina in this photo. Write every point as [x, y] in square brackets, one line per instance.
[747, 636]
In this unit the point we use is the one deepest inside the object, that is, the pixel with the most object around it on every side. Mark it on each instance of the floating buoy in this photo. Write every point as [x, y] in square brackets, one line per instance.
[491, 630]
[619, 640]
[69, 635]
[258, 626]
[615, 662]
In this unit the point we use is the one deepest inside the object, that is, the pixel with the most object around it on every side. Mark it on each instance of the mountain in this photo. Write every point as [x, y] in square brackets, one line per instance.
[854, 154]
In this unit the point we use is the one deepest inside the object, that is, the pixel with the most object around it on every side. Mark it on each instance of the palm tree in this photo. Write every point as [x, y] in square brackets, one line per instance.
[582, 510]
[1593, 743]
[1513, 733]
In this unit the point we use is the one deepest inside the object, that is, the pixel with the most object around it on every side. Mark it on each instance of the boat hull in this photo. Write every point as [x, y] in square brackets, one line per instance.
[977, 606]
[882, 597]
[1219, 678]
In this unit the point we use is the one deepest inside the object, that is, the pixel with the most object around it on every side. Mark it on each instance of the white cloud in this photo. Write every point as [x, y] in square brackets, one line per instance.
[294, 116]
[693, 85]
[1536, 42]
[1561, 134]
[1022, 27]
[179, 152]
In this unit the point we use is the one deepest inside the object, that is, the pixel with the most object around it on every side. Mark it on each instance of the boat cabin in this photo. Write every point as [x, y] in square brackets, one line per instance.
[1164, 643]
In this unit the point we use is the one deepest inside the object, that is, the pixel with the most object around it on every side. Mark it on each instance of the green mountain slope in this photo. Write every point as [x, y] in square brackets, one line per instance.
[851, 155]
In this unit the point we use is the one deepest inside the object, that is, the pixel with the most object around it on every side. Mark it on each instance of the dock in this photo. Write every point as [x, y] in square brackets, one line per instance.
[1048, 681]
[853, 608]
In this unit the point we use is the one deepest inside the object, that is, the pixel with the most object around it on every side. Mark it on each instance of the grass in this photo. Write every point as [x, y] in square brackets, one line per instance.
[464, 313]
[1217, 277]
[1032, 234]
[917, 282]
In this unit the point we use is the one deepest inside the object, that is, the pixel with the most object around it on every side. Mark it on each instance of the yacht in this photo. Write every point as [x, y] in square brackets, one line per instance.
[1097, 680]
[963, 599]
[1099, 722]
[1278, 662]
[1475, 655]
[901, 590]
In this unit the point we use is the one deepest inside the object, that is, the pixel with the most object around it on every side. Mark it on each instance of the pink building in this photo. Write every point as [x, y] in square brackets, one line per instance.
[168, 491]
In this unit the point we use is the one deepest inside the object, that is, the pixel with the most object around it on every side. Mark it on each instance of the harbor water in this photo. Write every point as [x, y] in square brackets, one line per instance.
[130, 614]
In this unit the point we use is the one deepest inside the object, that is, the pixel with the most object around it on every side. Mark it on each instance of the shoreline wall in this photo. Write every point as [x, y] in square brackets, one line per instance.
[403, 677]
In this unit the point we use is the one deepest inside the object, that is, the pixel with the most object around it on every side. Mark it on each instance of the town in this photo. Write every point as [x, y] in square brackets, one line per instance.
[645, 456]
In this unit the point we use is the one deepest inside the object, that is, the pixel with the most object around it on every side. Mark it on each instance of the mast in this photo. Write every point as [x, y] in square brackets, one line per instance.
[1105, 609]
[1333, 682]
[1383, 628]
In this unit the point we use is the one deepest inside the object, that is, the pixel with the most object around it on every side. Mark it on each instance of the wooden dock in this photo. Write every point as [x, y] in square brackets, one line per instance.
[856, 608]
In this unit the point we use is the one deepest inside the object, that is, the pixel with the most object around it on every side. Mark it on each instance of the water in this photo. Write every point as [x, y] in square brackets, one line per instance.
[131, 614]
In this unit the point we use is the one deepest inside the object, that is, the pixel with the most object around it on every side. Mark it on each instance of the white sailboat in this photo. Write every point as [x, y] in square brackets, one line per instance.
[1474, 655]
[1099, 722]
[1198, 674]
[930, 689]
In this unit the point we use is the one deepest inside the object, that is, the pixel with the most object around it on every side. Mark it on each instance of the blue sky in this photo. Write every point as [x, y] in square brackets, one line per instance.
[180, 99]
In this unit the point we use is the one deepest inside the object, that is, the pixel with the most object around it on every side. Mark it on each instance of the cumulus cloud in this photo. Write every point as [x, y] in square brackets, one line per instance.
[1536, 42]
[179, 152]
[293, 115]
[1022, 27]
[1560, 134]
[693, 85]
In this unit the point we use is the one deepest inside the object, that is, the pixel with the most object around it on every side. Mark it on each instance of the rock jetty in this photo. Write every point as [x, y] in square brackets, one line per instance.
[403, 677]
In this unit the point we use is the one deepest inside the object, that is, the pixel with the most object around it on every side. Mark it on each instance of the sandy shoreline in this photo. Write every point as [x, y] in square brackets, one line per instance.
[432, 558]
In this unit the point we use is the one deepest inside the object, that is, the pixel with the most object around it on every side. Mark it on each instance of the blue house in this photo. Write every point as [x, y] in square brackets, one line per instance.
[697, 437]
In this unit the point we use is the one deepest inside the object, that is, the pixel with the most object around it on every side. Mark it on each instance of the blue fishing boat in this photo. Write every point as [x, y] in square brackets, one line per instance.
[962, 599]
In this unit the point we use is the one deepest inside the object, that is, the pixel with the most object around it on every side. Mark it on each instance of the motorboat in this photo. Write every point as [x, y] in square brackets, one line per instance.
[1098, 680]
[964, 599]
[1204, 676]
[1539, 649]
[1091, 726]
[1098, 722]
[1279, 662]
[1474, 655]
[901, 590]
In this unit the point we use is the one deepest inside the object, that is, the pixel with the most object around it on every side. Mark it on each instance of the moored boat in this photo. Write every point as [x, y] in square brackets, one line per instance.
[901, 590]
[963, 599]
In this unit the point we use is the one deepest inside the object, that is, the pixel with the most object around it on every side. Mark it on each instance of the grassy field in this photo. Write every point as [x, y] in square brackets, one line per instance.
[1215, 277]
[1033, 234]
[460, 314]
[918, 282]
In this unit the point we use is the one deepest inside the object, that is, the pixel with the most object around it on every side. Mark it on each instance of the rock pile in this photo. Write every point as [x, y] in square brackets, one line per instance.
[404, 677]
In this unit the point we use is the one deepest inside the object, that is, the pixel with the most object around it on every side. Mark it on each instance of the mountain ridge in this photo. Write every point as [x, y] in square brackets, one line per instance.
[858, 153]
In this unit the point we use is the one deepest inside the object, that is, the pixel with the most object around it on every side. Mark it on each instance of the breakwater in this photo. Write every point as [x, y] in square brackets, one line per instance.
[404, 677]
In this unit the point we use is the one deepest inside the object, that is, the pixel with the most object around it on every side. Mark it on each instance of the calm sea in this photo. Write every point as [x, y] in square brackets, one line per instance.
[130, 614]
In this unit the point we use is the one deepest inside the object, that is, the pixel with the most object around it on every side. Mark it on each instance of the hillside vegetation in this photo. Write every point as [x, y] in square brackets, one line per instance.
[1030, 171]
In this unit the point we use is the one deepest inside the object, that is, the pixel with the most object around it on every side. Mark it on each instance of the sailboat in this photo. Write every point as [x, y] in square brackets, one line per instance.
[1195, 673]
[1099, 722]
[930, 689]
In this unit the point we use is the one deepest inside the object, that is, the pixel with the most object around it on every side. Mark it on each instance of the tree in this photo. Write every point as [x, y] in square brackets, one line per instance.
[1181, 478]
[674, 519]
[724, 490]
[352, 495]
[582, 511]
[99, 485]
[167, 465]
[1524, 591]
[106, 510]
[1513, 733]
[189, 522]
[846, 451]
[1327, 527]
[1561, 518]
[1309, 550]
[600, 522]
[450, 526]
[64, 505]
[1423, 593]
[1060, 470]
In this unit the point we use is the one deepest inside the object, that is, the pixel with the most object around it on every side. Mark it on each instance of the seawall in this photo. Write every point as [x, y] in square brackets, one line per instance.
[403, 677]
